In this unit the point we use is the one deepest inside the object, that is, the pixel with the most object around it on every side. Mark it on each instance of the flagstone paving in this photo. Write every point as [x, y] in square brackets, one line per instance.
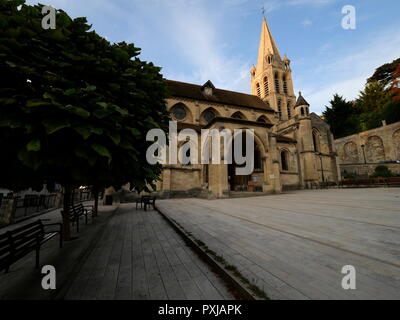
[140, 256]
[295, 245]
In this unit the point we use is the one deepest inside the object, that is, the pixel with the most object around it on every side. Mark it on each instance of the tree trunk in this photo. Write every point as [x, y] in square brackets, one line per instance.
[96, 200]
[65, 215]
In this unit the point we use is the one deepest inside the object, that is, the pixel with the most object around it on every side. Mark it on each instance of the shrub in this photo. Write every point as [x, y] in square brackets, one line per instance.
[382, 172]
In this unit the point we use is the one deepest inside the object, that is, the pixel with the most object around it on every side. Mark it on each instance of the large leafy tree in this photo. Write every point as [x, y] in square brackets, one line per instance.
[342, 116]
[384, 73]
[395, 84]
[74, 109]
[391, 110]
[371, 102]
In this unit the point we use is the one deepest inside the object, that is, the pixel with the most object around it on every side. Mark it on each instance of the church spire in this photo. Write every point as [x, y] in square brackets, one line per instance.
[267, 46]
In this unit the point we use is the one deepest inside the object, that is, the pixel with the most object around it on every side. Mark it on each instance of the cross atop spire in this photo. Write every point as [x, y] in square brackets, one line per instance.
[267, 46]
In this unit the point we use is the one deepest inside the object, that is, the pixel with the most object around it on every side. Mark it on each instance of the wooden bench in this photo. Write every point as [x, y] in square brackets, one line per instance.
[395, 181]
[367, 182]
[77, 211]
[17, 243]
[146, 201]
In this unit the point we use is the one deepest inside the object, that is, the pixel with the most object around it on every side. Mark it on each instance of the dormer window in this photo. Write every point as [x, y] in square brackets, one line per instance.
[208, 88]
[208, 91]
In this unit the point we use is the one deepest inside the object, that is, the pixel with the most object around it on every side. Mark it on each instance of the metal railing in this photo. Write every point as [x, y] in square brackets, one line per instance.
[32, 204]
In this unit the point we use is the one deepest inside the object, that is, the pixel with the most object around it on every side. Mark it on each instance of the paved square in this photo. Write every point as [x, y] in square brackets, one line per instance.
[294, 245]
[140, 256]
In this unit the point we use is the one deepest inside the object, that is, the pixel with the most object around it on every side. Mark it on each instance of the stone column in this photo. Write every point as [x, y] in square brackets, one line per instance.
[218, 181]
[275, 174]
[166, 180]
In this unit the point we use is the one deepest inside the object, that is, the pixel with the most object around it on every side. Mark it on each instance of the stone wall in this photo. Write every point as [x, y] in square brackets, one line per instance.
[368, 169]
[362, 152]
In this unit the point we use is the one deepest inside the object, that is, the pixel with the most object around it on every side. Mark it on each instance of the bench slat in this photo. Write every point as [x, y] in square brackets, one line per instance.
[19, 242]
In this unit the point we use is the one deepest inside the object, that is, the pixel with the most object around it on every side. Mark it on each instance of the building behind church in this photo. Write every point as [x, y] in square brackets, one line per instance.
[294, 147]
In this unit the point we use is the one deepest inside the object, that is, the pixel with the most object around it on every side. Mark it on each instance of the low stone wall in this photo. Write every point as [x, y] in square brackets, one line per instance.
[6, 211]
[368, 169]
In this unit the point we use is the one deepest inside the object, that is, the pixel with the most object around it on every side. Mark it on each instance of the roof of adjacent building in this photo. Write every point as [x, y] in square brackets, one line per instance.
[196, 92]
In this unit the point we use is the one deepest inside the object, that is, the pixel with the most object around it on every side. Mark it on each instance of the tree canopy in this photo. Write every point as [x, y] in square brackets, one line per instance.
[342, 116]
[380, 100]
[384, 74]
[74, 108]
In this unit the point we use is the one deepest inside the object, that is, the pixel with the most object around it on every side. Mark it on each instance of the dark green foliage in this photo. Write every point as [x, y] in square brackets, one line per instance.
[377, 102]
[382, 172]
[73, 108]
[384, 73]
[371, 103]
[342, 116]
[391, 111]
[350, 175]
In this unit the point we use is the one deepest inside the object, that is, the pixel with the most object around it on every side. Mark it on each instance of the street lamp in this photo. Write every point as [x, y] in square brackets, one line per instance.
[363, 149]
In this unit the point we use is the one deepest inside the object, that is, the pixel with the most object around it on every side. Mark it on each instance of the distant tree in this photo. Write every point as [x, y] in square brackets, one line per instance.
[384, 73]
[391, 111]
[395, 84]
[74, 109]
[371, 102]
[342, 116]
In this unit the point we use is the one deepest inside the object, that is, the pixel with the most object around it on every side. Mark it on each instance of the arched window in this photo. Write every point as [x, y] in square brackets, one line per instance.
[266, 88]
[277, 87]
[280, 109]
[179, 111]
[258, 90]
[238, 115]
[302, 111]
[285, 160]
[285, 88]
[316, 141]
[307, 112]
[262, 119]
[289, 111]
[209, 115]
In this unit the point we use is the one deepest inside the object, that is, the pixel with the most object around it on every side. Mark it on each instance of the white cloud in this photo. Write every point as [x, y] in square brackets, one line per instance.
[307, 23]
[273, 5]
[348, 72]
[194, 31]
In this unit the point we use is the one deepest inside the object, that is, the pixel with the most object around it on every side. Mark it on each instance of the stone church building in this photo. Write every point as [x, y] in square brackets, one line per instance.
[293, 147]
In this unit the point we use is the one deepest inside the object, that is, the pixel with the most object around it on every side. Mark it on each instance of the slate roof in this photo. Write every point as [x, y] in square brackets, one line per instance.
[301, 101]
[193, 91]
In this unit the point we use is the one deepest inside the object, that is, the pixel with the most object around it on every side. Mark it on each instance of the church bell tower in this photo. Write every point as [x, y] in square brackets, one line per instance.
[271, 79]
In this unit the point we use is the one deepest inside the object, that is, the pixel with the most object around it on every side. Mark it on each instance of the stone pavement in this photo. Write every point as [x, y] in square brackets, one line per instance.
[294, 245]
[140, 256]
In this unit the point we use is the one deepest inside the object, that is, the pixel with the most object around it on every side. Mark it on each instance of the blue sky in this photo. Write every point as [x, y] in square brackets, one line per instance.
[197, 40]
